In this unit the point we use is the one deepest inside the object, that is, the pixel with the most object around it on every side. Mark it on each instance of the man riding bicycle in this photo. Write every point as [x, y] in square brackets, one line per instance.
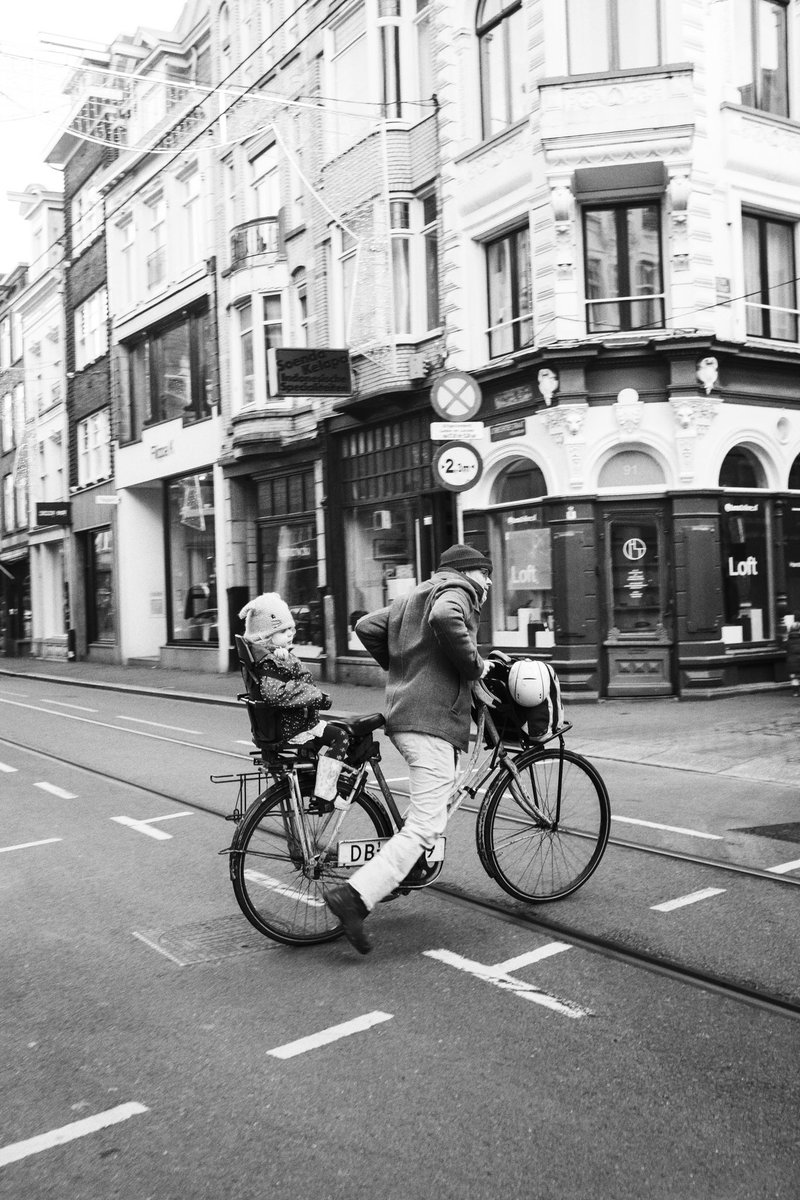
[427, 641]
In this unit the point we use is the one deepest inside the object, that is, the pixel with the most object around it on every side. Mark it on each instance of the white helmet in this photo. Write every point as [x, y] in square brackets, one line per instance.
[529, 682]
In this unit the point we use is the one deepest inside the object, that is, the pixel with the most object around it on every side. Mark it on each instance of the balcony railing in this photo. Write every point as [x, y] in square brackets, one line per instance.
[254, 240]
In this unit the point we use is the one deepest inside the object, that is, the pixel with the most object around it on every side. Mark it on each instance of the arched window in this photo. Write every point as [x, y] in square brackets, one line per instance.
[522, 480]
[741, 469]
[794, 475]
[503, 62]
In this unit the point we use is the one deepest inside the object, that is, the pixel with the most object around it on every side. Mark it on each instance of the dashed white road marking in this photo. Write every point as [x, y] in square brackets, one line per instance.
[500, 977]
[325, 1036]
[157, 724]
[77, 707]
[274, 885]
[682, 901]
[715, 837]
[6, 767]
[144, 826]
[56, 791]
[27, 845]
[784, 868]
[68, 1133]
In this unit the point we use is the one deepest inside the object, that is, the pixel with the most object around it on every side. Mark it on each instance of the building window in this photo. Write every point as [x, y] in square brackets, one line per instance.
[400, 223]
[126, 233]
[273, 324]
[224, 27]
[348, 263]
[760, 50]
[769, 278]
[613, 35]
[430, 238]
[349, 68]
[157, 242]
[389, 30]
[425, 69]
[100, 594]
[7, 423]
[264, 183]
[9, 522]
[91, 329]
[192, 571]
[192, 217]
[300, 295]
[622, 256]
[86, 214]
[503, 63]
[94, 448]
[168, 376]
[247, 365]
[5, 343]
[508, 264]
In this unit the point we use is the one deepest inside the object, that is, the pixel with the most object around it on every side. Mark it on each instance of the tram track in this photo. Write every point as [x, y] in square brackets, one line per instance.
[514, 913]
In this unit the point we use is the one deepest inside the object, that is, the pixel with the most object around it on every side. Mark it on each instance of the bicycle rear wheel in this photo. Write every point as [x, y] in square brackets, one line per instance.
[539, 861]
[279, 892]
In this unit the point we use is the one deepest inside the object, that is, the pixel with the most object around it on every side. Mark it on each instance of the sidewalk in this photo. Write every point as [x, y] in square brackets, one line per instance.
[754, 736]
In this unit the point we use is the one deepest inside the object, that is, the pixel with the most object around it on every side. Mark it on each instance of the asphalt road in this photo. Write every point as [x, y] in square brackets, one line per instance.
[133, 990]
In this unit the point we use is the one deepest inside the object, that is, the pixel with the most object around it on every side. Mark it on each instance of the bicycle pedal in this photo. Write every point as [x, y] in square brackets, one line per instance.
[320, 807]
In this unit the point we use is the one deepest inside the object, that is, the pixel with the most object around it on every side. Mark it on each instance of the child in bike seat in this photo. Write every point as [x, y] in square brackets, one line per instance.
[283, 680]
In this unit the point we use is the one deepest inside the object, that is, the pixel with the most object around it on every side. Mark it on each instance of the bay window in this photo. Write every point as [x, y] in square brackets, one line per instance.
[623, 268]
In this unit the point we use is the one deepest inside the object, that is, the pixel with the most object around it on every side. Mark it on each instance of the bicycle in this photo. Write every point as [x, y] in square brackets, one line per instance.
[542, 825]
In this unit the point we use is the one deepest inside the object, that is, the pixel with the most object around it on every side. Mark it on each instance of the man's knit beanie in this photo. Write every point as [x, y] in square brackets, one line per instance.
[265, 615]
[464, 558]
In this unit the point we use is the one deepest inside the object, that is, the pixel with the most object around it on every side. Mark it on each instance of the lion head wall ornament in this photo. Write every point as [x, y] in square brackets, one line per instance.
[708, 373]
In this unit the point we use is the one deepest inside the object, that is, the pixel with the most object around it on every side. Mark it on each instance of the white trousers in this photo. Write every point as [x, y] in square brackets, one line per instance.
[432, 772]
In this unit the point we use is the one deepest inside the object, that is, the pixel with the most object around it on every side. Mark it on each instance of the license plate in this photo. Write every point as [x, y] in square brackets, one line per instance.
[355, 854]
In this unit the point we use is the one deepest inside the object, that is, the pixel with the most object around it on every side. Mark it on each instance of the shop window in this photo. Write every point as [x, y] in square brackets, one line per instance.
[623, 268]
[760, 49]
[100, 593]
[746, 569]
[380, 546]
[167, 376]
[769, 278]
[287, 553]
[503, 63]
[508, 266]
[792, 535]
[613, 35]
[192, 569]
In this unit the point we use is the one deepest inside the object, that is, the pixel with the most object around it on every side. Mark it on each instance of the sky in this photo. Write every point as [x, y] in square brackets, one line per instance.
[32, 108]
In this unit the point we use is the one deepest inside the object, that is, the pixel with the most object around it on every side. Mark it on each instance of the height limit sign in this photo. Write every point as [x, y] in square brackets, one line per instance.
[457, 466]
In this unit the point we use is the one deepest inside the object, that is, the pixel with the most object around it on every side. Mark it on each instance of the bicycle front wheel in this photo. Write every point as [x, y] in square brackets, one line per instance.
[277, 888]
[544, 858]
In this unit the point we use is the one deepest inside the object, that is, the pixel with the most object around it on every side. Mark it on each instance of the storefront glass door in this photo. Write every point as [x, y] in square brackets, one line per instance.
[638, 641]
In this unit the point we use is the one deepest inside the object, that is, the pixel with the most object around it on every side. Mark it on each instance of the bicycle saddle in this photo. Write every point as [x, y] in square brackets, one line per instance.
[358, 727]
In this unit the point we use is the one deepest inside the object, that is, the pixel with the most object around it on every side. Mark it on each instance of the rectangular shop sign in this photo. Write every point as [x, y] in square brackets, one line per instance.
[507, 429]
[54, 514]
[512, 397]
[309, 372]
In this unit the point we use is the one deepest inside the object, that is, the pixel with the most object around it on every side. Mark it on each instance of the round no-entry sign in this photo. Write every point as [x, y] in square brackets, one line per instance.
[456, 396]
[457, 466]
